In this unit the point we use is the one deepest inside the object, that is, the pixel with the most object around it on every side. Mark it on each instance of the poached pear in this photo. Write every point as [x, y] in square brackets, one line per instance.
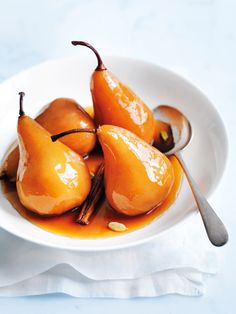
[63, 114]
[51, 178]
[138, 177]
[115, 103]
[60, 114]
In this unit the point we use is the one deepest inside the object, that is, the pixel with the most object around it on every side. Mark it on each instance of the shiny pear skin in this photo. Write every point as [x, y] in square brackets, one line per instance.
[138, 177]
[51, 178]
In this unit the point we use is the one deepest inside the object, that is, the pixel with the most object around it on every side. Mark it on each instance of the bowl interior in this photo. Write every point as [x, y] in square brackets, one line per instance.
[205, 155]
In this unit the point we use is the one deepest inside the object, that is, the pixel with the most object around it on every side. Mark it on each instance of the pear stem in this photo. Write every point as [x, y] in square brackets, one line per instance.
[100, 66]
[72, 131]
[21, 111]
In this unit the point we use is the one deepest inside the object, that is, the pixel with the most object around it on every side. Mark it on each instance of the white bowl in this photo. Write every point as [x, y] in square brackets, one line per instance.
[205, 155]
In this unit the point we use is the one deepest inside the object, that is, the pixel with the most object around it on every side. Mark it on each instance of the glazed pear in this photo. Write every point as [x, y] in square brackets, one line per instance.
[138, 177]
[57, 116]
[115, 103]
[51, 178]
[63, 114]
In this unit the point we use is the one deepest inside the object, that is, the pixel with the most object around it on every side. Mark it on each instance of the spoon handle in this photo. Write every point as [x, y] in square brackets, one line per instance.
[215, 229]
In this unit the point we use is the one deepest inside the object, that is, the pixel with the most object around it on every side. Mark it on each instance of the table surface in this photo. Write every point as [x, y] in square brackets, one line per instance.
[195, 38]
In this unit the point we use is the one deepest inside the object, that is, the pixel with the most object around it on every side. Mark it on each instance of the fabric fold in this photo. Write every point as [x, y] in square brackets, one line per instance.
[176, 262]
[65, 279]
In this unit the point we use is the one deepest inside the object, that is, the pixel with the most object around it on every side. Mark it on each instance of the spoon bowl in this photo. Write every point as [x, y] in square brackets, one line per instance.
[180, 126]
[181, 135]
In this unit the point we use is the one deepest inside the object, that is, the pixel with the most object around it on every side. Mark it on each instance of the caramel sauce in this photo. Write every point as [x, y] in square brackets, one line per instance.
[65, 224]
[164, 145]
[94, 160]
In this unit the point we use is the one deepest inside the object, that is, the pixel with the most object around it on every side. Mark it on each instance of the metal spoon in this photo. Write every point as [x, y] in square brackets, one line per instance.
[182, 133]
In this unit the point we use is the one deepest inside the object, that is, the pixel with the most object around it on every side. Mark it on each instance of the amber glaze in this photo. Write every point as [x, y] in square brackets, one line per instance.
[116, 104]
[137, 176]
[51, 178]
[164, 145]
[94, 160]
[11, 159]
[65, 224]
[64, 114]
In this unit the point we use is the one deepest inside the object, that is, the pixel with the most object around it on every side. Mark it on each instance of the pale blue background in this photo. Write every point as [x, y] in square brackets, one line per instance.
[196, 38]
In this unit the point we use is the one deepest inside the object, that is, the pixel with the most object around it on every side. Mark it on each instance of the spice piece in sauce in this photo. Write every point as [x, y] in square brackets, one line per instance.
[164, 135]
[117, 226]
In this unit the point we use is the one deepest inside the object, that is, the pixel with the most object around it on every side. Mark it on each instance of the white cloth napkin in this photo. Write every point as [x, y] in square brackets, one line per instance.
[176, 262]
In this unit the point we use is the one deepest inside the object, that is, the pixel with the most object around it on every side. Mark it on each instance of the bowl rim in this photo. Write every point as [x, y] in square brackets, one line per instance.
[161, 233]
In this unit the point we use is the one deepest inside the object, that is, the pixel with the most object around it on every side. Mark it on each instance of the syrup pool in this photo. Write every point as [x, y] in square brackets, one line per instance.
[65, 224]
